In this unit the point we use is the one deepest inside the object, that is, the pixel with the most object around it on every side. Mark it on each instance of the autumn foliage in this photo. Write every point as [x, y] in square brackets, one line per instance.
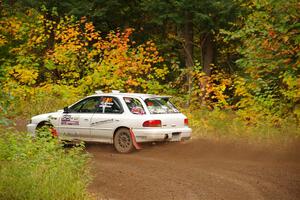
[50, 59]
[72, 56]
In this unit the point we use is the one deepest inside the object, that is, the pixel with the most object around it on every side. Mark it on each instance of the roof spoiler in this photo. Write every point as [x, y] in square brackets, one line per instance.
[101, 92]
[157, 96]
[98, 92]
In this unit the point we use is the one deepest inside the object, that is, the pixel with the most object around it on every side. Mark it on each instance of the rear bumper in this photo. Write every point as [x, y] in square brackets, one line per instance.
[162, 134]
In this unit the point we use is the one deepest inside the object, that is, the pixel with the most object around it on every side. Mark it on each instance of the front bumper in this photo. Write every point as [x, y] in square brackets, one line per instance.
[162, 134]
[31, 128]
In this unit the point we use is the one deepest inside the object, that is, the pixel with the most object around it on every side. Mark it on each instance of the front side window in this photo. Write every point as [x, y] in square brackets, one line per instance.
[160, 106]
[88, 105]
[134, 105]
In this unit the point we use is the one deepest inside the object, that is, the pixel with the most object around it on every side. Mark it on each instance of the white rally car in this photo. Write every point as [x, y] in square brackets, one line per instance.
[122, 119]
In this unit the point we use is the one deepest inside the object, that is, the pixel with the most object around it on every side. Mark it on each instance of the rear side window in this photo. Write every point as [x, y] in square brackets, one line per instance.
[134, 105]
[160, 106]
[109, 105]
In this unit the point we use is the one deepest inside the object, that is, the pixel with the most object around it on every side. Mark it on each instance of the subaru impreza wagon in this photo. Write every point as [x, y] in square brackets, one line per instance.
[121, 119]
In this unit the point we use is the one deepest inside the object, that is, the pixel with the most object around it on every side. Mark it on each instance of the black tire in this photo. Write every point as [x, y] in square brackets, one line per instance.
[122, 141]
[40, 131]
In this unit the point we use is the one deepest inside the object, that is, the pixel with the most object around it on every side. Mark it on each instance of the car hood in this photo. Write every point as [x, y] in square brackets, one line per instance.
[45, 117]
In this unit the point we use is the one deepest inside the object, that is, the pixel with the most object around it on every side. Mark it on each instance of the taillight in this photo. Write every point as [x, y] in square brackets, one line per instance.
[186, 122]
[152, 123]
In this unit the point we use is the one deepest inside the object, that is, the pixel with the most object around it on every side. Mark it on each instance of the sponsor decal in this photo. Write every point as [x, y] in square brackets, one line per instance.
[103, 122]
[69, 120]
[106, 105]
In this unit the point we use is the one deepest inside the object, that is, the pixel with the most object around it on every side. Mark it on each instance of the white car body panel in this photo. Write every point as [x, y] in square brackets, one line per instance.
[104, 125]
[100, 127]
[77, 130]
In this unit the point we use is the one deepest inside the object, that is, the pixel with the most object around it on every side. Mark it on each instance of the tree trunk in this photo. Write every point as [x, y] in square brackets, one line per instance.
[188, 35]
[207, 53]
[10, 2]
[207, 57]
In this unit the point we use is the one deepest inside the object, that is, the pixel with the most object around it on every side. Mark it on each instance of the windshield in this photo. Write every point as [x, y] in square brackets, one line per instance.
[160, 106]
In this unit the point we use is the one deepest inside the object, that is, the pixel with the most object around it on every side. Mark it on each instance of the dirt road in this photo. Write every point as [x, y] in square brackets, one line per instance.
[198, 169]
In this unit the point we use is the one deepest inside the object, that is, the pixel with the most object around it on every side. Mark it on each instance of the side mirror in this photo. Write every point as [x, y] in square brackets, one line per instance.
[66, 109]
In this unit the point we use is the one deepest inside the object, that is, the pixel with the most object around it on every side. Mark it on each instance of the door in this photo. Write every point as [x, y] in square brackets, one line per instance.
[76, 123]
[106, 119]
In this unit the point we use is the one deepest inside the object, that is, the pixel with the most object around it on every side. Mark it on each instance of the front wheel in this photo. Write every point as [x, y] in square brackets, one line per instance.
[122, 141]
[46, 130]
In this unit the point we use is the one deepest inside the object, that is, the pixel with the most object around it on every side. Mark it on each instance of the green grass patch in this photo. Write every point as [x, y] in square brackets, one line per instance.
[40, 168]
[231, 124]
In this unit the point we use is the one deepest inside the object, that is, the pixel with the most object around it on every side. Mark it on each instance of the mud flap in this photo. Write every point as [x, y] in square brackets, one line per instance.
[54, 132]
[135, 144]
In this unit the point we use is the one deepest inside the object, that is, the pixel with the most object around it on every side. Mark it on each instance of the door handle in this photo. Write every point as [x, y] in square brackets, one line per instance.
[86, 119]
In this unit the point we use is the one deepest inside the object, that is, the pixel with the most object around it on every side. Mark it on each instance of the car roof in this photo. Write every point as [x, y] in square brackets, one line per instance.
[134, 95]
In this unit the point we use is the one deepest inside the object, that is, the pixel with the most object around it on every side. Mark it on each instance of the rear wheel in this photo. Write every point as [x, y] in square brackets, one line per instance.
[122, 141]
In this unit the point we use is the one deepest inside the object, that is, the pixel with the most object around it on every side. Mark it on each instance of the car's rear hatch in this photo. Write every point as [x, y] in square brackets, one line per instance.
[162, 109]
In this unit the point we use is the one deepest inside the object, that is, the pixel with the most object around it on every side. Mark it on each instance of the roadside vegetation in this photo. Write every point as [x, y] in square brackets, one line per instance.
[40, 168]
[247, 65]
[226, 124]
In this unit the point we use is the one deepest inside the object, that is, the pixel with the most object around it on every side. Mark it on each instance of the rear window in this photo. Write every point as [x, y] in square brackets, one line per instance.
[160, 106]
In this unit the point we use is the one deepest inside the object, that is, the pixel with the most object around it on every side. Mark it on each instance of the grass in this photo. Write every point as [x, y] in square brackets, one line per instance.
[41, 168]
[229, 124]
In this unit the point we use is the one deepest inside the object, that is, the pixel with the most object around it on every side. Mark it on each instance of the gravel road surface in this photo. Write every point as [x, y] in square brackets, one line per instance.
[197, 169]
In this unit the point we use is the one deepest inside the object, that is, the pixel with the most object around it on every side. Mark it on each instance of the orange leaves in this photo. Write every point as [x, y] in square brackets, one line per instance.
[81, 55]
[212, 90]
[72, 52]
[12, 25]
[10, 29]
[272, 33]
[129, 67]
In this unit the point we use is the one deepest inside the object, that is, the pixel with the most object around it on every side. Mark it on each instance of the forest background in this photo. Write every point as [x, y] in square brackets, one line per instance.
[232, 66]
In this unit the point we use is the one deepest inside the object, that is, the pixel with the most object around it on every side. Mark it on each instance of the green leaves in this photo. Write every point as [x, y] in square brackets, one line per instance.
[270, 57]
[40, 168]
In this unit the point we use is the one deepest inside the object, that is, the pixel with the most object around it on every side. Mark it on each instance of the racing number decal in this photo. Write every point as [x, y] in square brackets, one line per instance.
[106, 102]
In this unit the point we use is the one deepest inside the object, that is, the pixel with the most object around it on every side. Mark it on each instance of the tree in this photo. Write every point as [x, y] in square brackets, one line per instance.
[270, 59]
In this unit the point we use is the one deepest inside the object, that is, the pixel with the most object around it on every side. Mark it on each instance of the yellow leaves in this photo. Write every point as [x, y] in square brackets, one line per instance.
[10, 27]
[23, 75]
[131, 82]
[89, 27]
[72, 52]
[3, 40]
[36, 39]
[290, 81]
[285, 38]
[212, 89]
[240, 89]
[132, 67]
[292, 86]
